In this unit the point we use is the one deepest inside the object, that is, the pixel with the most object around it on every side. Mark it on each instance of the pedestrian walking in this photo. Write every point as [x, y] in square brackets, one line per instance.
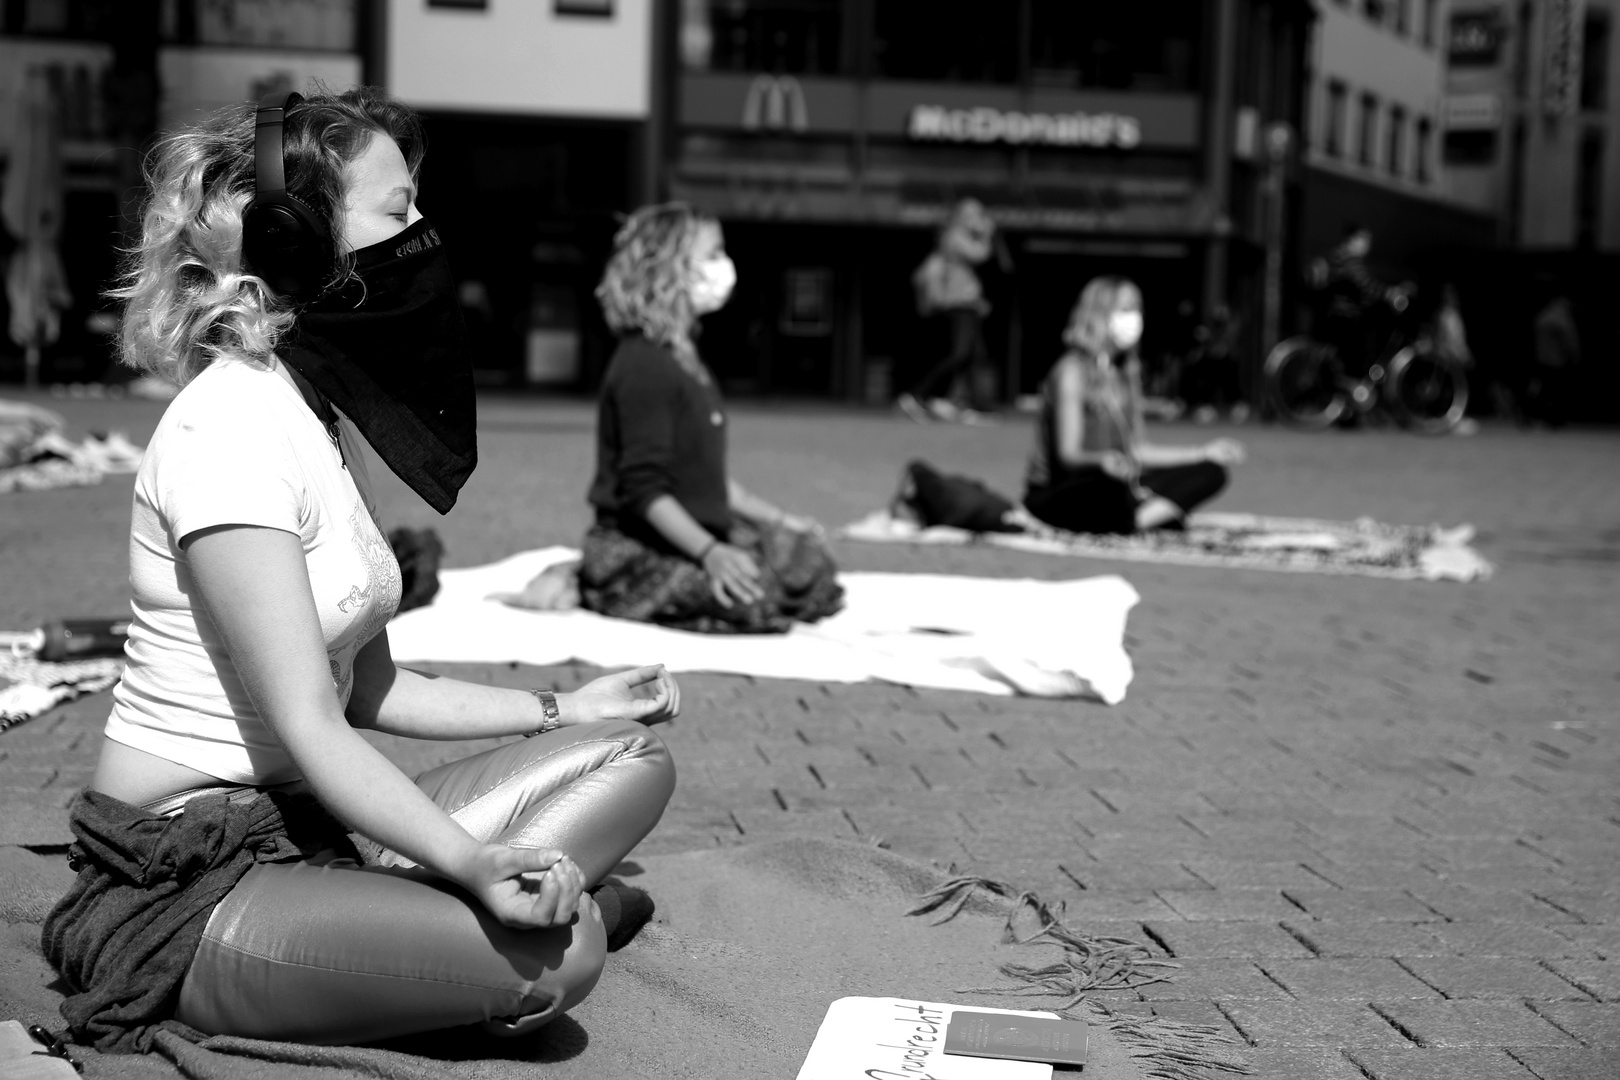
[949, 291]
[286, 280]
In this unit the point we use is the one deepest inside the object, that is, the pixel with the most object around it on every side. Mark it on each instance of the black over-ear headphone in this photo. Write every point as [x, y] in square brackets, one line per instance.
[283, 241]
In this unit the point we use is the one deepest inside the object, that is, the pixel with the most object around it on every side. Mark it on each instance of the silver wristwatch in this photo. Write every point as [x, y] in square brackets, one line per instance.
[552, 716]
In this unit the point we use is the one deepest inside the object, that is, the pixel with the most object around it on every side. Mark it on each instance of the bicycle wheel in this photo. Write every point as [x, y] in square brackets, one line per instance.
[1303, 379]
[1426, 393]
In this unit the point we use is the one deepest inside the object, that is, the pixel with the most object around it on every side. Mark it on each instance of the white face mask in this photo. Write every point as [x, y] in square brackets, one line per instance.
[712, 284]
[1125, 328]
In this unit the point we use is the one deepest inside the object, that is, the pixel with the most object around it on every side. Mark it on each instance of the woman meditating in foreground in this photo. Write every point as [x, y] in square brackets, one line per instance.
[1092, 469]
[676, 541]
[218, 886]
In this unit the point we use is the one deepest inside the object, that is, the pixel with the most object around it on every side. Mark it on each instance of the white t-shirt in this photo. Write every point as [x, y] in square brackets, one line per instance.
[240, 446]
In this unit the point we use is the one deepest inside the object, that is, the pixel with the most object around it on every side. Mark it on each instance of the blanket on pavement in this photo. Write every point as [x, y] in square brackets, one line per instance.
[1246, 541]
[1062, 639]
[732, 978]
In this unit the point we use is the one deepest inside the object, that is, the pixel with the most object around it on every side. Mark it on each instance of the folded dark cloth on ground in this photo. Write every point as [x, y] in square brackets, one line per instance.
[126, 932]
[627, 578]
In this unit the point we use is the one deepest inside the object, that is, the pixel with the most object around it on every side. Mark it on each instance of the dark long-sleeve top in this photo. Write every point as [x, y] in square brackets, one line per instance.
[660, 430]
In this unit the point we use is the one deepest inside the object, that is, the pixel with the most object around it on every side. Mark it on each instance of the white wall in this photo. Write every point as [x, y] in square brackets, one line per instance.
[1398, 69]
[518, 56]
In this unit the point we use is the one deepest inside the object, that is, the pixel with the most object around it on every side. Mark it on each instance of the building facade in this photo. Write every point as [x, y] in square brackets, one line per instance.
[1377, 117]
[831, 137]
[1534, 125]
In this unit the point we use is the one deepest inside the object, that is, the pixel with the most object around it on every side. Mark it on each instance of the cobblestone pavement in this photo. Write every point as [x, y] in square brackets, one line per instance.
[1377, 823]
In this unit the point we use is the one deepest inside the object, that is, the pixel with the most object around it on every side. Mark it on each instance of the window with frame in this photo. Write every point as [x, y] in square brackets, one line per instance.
[1422, 147]
[1144, 45]
[1589, 189]
[782, 37]
[1334, 119]
[1395, 141]
[1595, 41]
[1375, 10]
[1403, 17]
[1366, 146]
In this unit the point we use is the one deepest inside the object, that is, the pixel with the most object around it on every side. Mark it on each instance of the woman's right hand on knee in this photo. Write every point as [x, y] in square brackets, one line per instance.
[733, 575]
[523, 887]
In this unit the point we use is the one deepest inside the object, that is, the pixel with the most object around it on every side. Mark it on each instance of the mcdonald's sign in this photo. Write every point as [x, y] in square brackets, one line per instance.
[775, 103]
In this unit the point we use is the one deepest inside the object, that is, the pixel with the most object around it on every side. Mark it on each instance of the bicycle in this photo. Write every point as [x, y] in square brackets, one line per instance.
[1308, 384]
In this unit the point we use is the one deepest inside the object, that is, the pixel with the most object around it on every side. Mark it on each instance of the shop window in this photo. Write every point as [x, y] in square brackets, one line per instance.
[1375, 10]
[1426, 23]
[1395, 141]
[795, 37]
[955, 41]
[1423, 146]
[1589, 189]
[1147, 45]
[1595, 61]
[1366, 148]
[1334, 121]
[1403, 17]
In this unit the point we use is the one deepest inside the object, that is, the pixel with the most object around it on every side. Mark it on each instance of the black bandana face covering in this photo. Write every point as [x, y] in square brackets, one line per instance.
[390, 350]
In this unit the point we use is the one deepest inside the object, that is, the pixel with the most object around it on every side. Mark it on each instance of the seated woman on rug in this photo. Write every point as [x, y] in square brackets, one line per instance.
[1092, 469]
[676, 540]
[249, 864]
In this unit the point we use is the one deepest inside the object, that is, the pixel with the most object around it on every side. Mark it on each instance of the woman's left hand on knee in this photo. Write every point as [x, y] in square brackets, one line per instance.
[647, 695]
[524, 887]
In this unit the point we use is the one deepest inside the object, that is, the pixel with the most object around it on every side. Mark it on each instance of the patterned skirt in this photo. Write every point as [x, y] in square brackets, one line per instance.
[623, 577]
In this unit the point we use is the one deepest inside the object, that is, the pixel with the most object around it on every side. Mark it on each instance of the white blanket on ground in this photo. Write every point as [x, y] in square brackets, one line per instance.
[1042, 638]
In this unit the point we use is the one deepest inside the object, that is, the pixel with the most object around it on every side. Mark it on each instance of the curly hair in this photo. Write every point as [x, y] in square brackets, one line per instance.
[646, 285]
[188, 298]
[1088, 322]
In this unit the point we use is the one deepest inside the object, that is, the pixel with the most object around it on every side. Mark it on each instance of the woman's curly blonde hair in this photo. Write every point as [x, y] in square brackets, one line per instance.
[646, 287]
[188, 299]
[1088, 322]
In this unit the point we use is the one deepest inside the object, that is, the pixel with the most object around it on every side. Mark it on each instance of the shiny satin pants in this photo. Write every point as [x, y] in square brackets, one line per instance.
[334, 952]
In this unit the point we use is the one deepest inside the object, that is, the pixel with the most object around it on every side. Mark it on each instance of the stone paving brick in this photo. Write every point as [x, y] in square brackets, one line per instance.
[1225, 939]
[1229, 904]
[1586, 905]
[1231, 873]
[1353, 938]
[1560, 1063]
[1365, 980]
[1505, 939]
[1474, 1023]
[1592, 1023]
[1440, 1064]
[1215, 979]
[1317, 1023]
[1494, 977]
[1118, 877]
[1369, 875]
[1598, 978]
[1503, 905]
[1302, 1063]
[1602, 941]
[1392, 905]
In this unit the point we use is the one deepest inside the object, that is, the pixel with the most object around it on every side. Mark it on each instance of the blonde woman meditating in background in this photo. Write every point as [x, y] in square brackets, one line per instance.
[218, 889]
[676, 540]
[1092, 469]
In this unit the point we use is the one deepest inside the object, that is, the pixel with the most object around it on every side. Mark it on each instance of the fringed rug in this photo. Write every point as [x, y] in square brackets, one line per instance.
[732, 978]
[1248, 541]
[29, 687]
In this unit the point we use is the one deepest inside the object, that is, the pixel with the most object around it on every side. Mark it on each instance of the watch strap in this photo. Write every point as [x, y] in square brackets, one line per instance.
[551, 716]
